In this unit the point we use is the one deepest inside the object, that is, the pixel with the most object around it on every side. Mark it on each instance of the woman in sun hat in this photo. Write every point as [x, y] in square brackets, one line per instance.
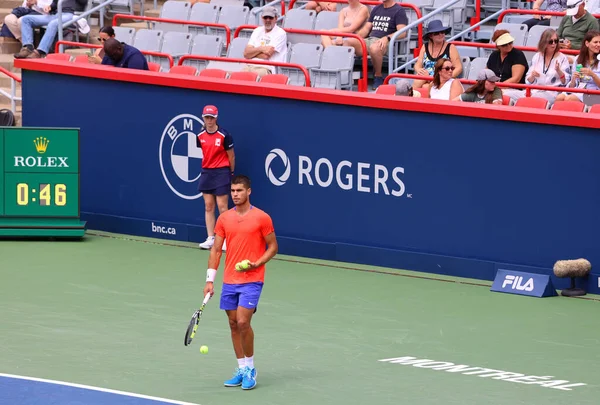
[434, 49]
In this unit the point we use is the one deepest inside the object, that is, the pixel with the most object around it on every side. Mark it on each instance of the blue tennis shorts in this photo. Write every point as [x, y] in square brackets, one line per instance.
[240, 295]
[215, 181]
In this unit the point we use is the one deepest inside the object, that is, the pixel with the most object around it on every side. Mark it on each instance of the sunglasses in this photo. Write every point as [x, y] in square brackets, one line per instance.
[448, 68]
[438, 33]
[553, 41]
[268, 18]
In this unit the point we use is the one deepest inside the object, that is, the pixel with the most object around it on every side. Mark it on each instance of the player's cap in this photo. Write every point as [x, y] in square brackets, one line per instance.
[269, 12]
[210, 111]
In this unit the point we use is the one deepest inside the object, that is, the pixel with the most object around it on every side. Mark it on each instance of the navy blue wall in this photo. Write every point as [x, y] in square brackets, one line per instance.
[474, 192]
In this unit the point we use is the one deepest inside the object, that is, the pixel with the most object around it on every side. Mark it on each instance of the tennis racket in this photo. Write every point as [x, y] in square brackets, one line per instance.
[193, 326]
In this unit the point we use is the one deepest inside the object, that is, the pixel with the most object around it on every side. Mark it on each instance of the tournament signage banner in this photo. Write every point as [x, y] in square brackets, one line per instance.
[449, 192]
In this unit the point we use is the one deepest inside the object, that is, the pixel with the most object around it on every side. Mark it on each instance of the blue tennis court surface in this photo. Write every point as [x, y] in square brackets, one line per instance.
[20, 390]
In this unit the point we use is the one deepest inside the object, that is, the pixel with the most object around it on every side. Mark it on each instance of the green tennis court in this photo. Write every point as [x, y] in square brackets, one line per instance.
[111, 311]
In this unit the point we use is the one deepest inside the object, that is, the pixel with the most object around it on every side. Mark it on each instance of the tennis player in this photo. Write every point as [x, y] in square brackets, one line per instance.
[250, 236]
[218, 164]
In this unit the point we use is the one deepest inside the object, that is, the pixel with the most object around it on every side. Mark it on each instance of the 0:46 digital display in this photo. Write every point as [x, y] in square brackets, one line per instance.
[48, 194]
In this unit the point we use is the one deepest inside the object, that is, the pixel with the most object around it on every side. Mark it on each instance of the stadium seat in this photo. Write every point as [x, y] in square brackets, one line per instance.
[575, 106]
[335, 71]
[203, 12]
[505, 100]
[174, 10]
[304, 20]
[307, 55]
[216, 73]
[124, 34]
[205, 45]
[595, 109]
[386, 89]
[154, 67]
[59, 56]
[532, 102]
[327, 20]
[236, 48]
[148, 40]
[275, 79]
[477, 64]
[232, 16]
[183, 70]
[175, 44]
[81, 59]
[246, 76]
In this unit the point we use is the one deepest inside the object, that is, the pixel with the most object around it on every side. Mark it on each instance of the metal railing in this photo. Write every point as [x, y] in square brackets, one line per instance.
[13, 89]
[248, 61]
[362, 82]
[534, 12]
[76, 18]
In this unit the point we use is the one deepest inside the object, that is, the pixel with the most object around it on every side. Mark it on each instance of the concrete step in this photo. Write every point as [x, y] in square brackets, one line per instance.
[9, 46]
[5, 81]
[4, 12]
[7, 62]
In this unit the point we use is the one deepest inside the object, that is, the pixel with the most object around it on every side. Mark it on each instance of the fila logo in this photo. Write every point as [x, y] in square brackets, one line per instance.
[517, 283]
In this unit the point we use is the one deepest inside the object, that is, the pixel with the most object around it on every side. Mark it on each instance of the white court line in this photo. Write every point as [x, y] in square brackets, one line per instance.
[89, 387]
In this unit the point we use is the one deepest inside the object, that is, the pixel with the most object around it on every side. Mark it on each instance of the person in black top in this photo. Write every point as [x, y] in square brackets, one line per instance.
[29, 22]
[508, 63]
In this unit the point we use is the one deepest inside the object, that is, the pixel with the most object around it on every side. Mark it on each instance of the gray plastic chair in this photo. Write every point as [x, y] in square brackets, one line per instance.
[307, 55]
[301, 19]
[327, 20]
[477, 64]
[236, 47]
[175, 44]
[202, 12]
[149, 40]
[174, 10]
[233, 17]
[208, 45]
[335, 71]
[124, 34]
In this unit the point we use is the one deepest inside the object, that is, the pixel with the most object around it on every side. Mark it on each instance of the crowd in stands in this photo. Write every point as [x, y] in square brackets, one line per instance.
[439, 62]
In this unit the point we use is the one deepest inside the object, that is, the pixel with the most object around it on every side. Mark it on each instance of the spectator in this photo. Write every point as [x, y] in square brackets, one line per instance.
[508, 63]
[386, 18]
[12, 22]
[575, 25]
[119, 54]
[433, 49]
[548, 66]
[551, 5]
[484, 91]
[444, 86]
[29, 22]
[404, 88]
[268, 42]
[319, 6]
[586, 76]
[352, 19]
[104, 34]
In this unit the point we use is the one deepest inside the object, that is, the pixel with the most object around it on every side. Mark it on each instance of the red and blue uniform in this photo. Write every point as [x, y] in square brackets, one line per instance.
[216, 173]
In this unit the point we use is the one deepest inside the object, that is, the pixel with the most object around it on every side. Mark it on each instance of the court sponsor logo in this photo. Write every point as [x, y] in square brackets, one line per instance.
[41, 146]
[542, 381]
[346, 175]
[163, 229]
[179, 157]
[516, 283]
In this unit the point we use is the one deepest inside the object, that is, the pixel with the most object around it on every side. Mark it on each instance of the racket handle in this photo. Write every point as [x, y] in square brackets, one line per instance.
[206, 298]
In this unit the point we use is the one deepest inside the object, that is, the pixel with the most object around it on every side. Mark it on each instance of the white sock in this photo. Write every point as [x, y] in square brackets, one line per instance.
[250, 362]
[241, 363]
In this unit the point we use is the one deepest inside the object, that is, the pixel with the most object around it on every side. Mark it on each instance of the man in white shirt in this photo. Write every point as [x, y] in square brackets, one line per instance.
[13, 20]
[268, 42]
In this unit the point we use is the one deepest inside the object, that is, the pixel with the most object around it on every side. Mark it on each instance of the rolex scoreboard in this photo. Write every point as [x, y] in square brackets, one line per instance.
[39, 182]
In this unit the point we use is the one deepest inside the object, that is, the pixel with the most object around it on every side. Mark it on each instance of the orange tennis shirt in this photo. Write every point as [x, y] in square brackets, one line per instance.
[245, 236]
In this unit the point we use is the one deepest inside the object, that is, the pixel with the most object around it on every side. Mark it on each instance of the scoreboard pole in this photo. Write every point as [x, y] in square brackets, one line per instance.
[39, 183]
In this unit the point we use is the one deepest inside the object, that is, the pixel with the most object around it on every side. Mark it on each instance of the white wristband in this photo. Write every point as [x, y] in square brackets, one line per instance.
[210, 275]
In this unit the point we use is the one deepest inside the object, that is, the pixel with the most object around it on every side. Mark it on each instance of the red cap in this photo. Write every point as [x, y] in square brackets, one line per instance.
[210, 110]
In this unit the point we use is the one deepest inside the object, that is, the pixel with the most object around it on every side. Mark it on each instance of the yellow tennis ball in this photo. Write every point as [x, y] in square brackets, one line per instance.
[238, 266]
[245, 264]
[203, 349]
